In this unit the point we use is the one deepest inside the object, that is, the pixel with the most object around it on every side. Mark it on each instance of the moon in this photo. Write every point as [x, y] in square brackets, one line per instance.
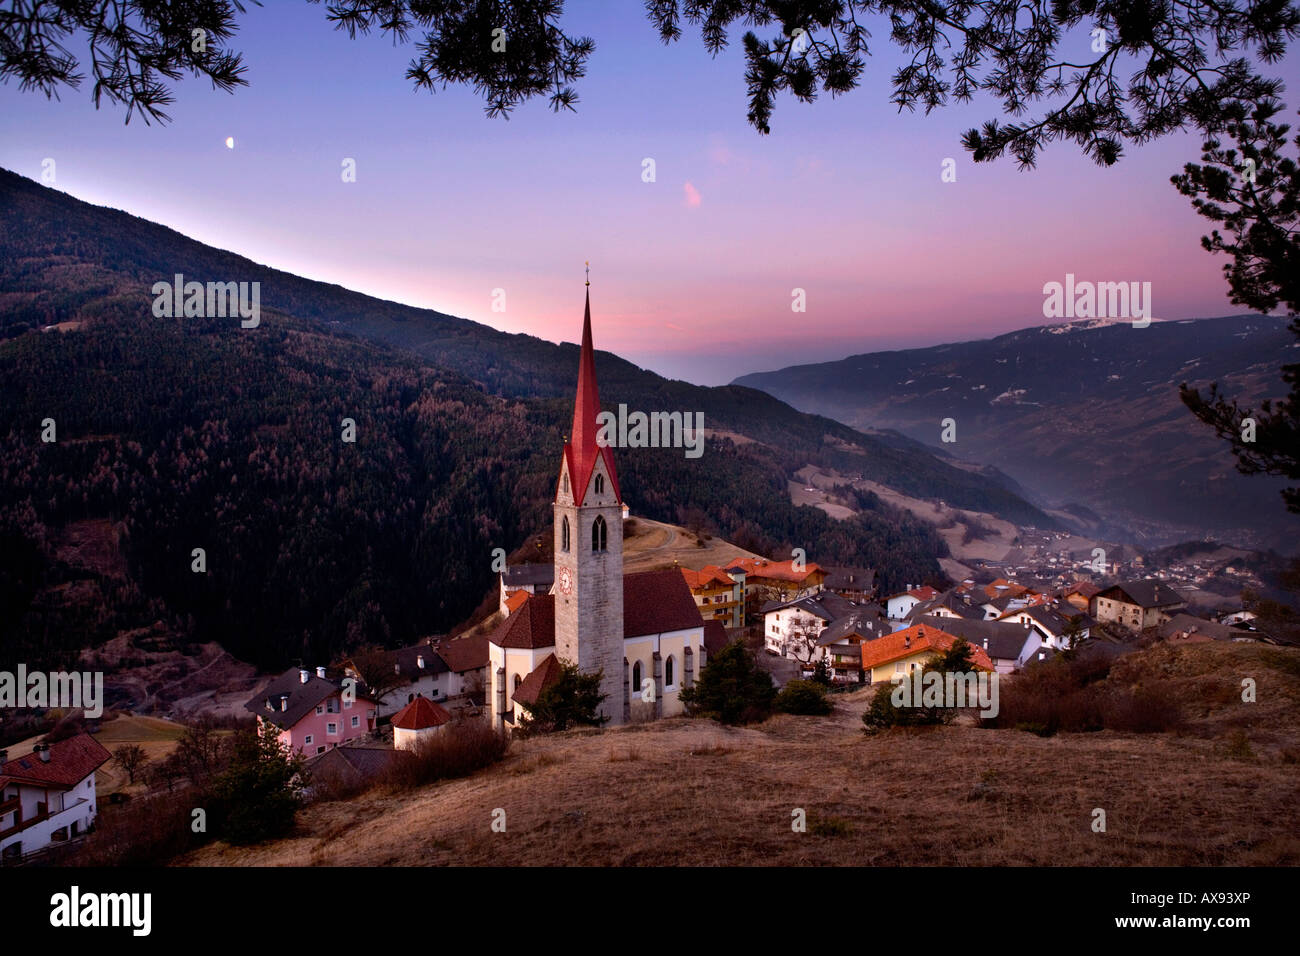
[230, 142]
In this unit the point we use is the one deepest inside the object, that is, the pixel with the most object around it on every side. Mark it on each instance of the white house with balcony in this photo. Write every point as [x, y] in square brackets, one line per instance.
[48, 796]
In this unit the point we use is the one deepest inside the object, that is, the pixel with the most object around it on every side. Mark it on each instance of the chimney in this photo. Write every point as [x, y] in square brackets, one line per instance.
[45, 753]
[419, 661]
[284, 701]
[320, 672]
[986, 643]
[303, 674]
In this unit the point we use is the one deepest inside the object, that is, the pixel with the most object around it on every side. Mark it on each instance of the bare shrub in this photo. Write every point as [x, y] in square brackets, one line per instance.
[458, 750]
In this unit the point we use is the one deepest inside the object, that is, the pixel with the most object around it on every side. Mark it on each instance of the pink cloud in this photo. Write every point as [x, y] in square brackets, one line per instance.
[692, 195]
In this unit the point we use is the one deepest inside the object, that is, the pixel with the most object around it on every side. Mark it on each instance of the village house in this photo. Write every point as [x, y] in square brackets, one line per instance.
[48, 796]
[1080, 594]
[642, 633]
[840, 642]
[898, 606]
[1008, 644]
[524, 579]
[896, 655]
[853, 584]
[1052, 622]
[420, 671]
[467, 666]
[951, 603]
[763, 580]
[312, 712]
[1137, 604]
[791, 628]
[348, 766]
[720, 596]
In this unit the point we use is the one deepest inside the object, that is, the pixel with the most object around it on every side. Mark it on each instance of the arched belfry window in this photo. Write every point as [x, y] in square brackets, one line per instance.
[598, 534]
[564, 482]
[600, 484]
[564, 535]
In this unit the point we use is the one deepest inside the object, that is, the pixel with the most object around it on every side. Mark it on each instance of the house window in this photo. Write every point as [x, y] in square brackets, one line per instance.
[332, 706]
[356, 721]
[347, 705]
[636, 677]
[900, 668]
[598, 534]
[306, 741]
[320, 749]
[332, 728]
[320, 708]
[600, 484]
[564, 535]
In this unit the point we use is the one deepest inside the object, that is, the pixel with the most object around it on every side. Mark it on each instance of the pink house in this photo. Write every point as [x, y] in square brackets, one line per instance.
[311, 711]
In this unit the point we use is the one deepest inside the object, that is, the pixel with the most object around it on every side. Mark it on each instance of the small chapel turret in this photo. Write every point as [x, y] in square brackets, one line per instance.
[588, 512]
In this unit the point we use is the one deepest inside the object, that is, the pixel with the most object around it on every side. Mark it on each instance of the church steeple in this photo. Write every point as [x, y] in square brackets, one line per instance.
[588, 514]
[583, 449]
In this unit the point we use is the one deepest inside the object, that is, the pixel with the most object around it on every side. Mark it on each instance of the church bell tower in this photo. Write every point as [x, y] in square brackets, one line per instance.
[588, 512]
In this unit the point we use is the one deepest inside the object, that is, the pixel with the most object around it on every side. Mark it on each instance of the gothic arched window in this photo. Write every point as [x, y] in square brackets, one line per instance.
[564, 483]
[598, 534]
[518, 680]
[564, 535]
[636, 678]
[668, 672]
[600, 484]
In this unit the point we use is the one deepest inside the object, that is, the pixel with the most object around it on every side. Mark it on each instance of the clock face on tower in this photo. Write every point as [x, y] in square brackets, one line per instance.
[566, 581]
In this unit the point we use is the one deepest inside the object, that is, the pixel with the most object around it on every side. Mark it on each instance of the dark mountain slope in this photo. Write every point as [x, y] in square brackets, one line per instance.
[1086, 413]
[64, 259]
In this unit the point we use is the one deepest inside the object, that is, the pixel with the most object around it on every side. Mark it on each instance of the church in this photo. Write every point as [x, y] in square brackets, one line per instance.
[642, 632]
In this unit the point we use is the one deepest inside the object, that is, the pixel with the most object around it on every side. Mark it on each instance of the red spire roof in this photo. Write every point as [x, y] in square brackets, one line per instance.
[582, 450]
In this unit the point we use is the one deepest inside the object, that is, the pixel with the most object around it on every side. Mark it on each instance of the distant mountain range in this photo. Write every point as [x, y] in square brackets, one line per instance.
[1086, 415]
[176, 432]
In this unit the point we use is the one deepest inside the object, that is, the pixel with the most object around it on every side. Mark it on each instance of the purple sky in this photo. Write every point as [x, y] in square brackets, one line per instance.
[692, 275]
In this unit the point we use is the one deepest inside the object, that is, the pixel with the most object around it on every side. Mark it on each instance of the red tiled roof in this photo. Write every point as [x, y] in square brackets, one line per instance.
[516, 600]
[544, 675]
[532, 626]
[465, 653]
[909, 641]
[582, 450]
[71, 761]
[776, 570]
[708, 576]
[655, 602]
[420, 714]
[1086, 588]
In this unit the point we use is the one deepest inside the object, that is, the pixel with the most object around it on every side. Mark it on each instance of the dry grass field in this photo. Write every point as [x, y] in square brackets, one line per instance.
[686, 792]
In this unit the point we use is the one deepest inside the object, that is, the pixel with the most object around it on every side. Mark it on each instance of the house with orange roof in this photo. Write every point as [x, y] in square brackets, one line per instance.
[898, 654]
[719, 595]
[778, 580]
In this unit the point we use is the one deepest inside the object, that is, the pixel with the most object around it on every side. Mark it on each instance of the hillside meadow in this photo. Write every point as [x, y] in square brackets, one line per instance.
[1221, 791]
